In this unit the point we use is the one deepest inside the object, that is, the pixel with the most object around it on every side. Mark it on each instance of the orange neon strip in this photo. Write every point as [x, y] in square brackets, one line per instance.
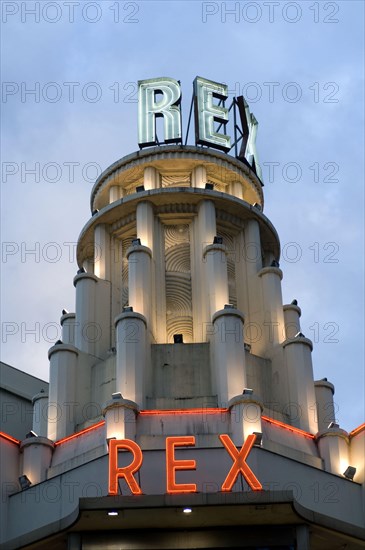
[82, 432]
[9, 438]
[287, 427]
[357, 430]
[155, 412]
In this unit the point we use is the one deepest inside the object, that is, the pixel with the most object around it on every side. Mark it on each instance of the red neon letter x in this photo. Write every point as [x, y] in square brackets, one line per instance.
[239, 464]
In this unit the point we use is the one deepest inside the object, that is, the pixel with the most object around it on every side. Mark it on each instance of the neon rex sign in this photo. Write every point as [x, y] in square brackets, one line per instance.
[173, 465]
[161, 97]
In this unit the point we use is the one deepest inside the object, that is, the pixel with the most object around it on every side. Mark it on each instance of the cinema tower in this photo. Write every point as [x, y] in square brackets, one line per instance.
[179, 354]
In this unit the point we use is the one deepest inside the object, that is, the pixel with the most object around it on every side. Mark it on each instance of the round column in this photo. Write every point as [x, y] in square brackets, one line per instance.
[292, 315]
[151, 178]
[62, 402]
[120, 418]
[333, 446]
[273, 324]
[246, 411]
[40, 413]
[324, 392]
[145, 224]
[131, 360]
[216, 277]
[227, 355]
[302, 399]
[139, 279]
[37, 456]
[85, 329]
[199, 177]
[68, 322]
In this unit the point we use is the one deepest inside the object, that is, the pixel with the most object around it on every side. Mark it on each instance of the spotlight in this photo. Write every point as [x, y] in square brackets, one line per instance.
[218, 240]
[333, 425]
[187, 510]
[294, 302]
[25, 482]
[108, 439]
[31, 434]
[274, 263]
[117, 395]
[350, 472]
[113, 513]
[257, 205]
[178, 339]
[127, 309]
[95, 212]
[228, 306]
[58, 343]
[209, 186]
[139, 188]
[81, 270]
[247, 347]
[258, 439]
[299, 335]
[247, 391]
[136, 242]
[64, 312]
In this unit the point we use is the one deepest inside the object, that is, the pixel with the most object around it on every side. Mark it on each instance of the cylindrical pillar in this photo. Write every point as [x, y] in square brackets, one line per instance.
[139, 280]
[273, 324]
[37, 455]
[62, 402]
[120, 418]
[204, 230]
[324, 391]
[85, 328]
[236, 190]
[115, 193]
[227, 355]
[245, 413]
[40, 413]
[151, 178]
[199, 177]
[333, 445]
[216, 277]
[102, 252]
[145, 223]
[301, 407]
[292, 314]
[131, 359]
[68, 321]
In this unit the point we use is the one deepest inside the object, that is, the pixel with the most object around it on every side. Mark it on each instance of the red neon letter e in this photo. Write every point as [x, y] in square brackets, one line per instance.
[127, 472]
[172, 464]
[239, 464]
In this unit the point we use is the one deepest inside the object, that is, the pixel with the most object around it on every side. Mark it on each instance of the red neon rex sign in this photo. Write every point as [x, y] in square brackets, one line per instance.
[173, 465]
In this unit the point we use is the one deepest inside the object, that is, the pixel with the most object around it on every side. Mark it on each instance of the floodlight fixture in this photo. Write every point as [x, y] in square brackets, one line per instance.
[350, 472]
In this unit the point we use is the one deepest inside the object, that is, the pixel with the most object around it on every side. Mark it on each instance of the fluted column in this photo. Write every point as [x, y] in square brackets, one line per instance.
[120, 418]
[333, 445]
[145, 223]
[115, 193]
[37, 456]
